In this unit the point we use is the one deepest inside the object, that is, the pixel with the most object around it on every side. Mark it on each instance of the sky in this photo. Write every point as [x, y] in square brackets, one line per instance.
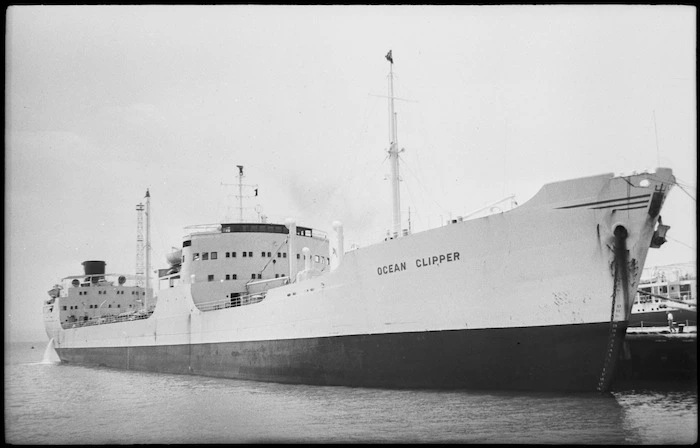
[105, 102]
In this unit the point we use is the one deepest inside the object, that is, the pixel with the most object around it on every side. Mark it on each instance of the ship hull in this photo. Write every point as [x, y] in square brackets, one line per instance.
[660, 319]
[536, 298]
[561, 358]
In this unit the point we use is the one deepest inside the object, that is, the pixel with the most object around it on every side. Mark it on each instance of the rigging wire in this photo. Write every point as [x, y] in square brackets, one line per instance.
[684, 191]
[680, 242]
[286, 240]
[410, 170]
[685, 184]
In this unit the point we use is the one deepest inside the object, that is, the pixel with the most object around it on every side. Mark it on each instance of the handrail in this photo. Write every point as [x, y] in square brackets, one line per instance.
[231, 302]
[101, 320]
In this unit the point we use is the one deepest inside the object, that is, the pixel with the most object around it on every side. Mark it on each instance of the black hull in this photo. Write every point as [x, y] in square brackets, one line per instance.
[650, 360]
[552, 358]
[660, 319]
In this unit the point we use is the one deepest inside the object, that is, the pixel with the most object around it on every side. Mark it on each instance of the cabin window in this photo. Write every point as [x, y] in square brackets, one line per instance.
[119, 305]
[284, 254]
[262, 254]
[245, 254]
[663, 289]
[234, 276]
[64, 307]
[110, 306]
[195, 256]
[685, 288]
[228, 277]
[279, 254]
[205, 256]
[269, 254]
[210, 278]
[259, 276]
[214, 255]
[228, 254]
[233, 254]
[250, 254]
[277, 275]
[252, 276]
[298, 256]
[187, 243]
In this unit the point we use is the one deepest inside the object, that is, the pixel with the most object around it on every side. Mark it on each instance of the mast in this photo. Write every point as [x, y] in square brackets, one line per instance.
[394, 155]
[240, 192]
[140, 246]
[148, 249]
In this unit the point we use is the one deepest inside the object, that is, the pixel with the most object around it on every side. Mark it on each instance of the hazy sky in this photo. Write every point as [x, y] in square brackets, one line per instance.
[103, 102]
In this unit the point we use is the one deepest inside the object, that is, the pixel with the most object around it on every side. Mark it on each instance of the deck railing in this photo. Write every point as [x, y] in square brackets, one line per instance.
[106, 320]
[231, 302]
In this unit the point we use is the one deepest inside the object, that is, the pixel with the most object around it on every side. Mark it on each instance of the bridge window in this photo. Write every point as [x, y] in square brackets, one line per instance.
[245, 254]
[228, 277]
[195, 256]
[210, 278]
[205, 256]
[262, 254]
[214, 255]
[234, 276]
[250, 254]
[269, 254]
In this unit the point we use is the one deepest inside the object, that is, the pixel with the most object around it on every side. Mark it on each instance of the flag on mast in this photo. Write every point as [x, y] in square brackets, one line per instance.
[389, 58]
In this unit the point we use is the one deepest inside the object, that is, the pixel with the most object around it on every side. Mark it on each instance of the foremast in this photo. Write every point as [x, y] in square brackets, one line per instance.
[394, 156]
[143, 275]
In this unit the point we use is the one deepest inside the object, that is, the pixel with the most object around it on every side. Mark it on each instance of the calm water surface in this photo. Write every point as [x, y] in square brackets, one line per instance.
[50, 403]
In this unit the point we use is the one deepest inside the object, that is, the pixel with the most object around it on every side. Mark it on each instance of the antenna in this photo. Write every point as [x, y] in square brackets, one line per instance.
[240, 191]
[240, 196]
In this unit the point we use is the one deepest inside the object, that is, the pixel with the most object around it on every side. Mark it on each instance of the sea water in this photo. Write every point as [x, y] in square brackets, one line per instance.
[47, 402]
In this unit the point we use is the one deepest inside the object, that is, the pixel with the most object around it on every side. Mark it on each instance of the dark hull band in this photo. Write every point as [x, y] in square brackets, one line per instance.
[660, 319]
[561, 358]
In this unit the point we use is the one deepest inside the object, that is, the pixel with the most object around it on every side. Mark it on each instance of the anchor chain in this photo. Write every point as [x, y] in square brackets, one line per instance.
[611, 338]
[619, 275]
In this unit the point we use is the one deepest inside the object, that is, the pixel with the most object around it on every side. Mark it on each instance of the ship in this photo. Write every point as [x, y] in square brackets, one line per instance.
[538, 297]
[666, 289]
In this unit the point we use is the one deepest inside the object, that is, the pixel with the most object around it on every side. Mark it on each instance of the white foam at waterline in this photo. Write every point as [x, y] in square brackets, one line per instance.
[50, 355]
